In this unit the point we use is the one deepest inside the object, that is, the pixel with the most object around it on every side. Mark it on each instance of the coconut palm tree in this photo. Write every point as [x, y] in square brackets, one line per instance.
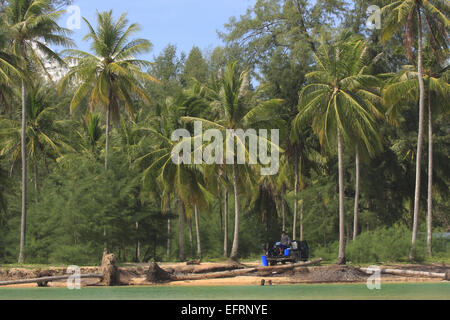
[111, 76]
[404, 87]
[229, 96]
[183, 180]
[45, 134]
[32, 25]
[409, 15]
[340, 105]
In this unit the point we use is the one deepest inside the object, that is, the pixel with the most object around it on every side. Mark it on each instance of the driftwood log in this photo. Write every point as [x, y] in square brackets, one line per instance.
[206, 268]
[414, 273]
[214, 275]
[45, 280]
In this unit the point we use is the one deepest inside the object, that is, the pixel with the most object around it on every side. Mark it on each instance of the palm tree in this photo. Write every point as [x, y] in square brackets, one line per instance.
[230, 96]
[407, 15]
[45, 135]
[339, 104]
[184, 181]
[112, 75]
[405, 88]
[32, 26]
[301, 152]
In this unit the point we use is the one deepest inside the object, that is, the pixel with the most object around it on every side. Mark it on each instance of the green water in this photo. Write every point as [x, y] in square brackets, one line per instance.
[440, 291]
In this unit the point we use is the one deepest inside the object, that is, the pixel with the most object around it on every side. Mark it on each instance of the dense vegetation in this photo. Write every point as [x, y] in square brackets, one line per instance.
[363, 114]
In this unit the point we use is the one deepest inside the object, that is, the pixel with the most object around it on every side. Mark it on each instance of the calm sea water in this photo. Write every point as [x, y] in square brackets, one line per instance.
[402, 291]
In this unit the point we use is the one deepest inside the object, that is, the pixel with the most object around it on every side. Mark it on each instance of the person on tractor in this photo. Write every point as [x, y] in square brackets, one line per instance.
[285, 242]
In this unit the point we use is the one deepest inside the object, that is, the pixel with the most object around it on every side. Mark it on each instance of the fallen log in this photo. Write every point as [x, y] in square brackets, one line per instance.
[213, 275]
[401, 272]
[48, 279]
[203, 268]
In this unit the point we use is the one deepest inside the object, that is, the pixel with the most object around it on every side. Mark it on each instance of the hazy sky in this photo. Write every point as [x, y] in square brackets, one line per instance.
[181, 22]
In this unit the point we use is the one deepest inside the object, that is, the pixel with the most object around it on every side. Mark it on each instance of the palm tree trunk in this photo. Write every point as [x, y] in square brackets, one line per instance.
[355, 209]
[105, 244]
[35, 174]
[225, 226]
[301, 221]
[23, 222]
[283, 213]
[220, 213]
[168, 238]
[419, 137]
[430, 179]
[197, 229]
[234, 249]
[191, 238]
[181, 231]
[169, 227]
[138, 245]
[219, 197]
[108, 125]
[341, 257]
[294, 225]
[411, 211]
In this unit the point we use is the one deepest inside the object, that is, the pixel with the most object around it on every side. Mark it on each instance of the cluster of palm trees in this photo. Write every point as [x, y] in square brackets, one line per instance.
[342, 103]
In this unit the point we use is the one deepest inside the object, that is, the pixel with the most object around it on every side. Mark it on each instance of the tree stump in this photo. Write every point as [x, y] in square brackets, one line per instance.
[111, 275]
[156, 274]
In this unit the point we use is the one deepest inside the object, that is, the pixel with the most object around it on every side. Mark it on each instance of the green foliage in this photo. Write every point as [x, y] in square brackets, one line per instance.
[377, 246]
[195, 68]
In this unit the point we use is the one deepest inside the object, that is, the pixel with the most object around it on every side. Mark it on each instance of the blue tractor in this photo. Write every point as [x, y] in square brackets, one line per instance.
[298, 251]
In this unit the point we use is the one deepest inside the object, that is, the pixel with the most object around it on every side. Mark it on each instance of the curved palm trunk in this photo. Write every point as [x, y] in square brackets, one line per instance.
[355, 209]
[181, 231]
[225, 226]
[234, 249]
[294, 224]
[341, 257]
[430, 180]
[419, 137]
[197, 229]
[23, 222]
